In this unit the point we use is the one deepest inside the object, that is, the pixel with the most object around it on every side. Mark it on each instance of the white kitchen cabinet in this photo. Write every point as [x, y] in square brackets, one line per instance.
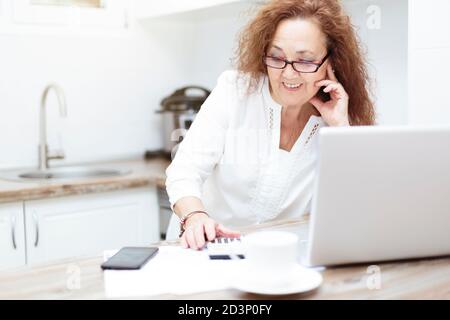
[2, 11]
[12, 236]
[429, 24]
[428, 63]
[152, 8]
[88, 224]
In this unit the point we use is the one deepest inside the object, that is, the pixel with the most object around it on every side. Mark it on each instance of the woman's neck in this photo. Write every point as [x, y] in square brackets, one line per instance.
[298, 114]
[293, 121]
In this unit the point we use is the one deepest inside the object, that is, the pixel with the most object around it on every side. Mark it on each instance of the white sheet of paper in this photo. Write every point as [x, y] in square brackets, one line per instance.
[173, 270]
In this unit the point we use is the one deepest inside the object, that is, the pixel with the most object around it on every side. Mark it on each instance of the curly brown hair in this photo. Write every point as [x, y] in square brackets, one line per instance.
[347, 58]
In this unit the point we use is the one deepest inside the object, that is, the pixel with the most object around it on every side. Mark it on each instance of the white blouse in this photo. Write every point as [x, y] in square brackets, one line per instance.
[230, 158]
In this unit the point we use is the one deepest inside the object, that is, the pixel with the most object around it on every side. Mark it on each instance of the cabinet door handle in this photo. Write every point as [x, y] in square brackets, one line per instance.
[36, 225]
[13, 231]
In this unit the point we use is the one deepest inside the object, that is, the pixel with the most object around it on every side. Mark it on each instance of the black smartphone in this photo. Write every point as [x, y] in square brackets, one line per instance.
[130, 258]
[323, 96]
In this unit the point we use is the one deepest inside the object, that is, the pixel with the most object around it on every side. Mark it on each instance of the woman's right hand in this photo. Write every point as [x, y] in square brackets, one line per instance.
[200, 228]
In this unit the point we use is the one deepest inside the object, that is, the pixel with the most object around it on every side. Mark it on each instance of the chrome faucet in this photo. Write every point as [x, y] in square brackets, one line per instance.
[44, 154]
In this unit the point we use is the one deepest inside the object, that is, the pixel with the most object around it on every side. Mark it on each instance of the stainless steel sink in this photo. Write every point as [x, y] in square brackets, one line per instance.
[65, 173]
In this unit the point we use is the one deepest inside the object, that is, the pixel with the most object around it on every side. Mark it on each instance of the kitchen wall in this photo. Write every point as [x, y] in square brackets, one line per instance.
[216, 33]
[112, 84]
[382, 26]
[429, 64]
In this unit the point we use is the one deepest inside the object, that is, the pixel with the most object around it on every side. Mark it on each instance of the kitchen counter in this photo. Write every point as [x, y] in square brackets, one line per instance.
[143, 173]
[413, 279]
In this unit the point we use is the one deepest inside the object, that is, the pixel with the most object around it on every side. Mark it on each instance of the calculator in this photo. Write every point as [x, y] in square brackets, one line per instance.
[223, 248]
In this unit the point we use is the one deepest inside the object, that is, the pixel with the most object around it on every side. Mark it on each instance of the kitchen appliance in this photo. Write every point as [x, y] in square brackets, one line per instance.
[165, 212]
[178, 111]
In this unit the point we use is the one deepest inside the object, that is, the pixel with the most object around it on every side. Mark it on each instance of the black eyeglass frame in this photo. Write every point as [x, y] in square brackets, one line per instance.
[292, 63]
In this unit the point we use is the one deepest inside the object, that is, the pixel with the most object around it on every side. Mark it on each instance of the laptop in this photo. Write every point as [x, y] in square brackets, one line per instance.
[381, 194]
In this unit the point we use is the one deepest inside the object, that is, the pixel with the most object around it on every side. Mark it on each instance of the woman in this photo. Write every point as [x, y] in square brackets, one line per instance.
[249, 155]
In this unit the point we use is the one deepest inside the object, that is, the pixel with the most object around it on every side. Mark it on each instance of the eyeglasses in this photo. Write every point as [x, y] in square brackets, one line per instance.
[299, 66]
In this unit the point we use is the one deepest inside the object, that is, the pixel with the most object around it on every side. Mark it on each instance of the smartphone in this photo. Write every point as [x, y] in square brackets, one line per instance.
[130, 258]
[323, 96]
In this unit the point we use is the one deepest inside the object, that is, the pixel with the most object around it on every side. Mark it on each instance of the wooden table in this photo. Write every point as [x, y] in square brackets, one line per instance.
[415, 279]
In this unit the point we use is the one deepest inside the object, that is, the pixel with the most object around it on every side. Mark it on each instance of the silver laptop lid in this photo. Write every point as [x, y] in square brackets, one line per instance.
[381, 193]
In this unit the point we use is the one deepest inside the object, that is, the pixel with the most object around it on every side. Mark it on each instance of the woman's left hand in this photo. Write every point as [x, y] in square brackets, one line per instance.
[335, 111]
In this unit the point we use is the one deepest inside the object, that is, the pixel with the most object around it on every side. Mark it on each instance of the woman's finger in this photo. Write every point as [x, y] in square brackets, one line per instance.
[199, 233]
[183, 241]
[225, 232]
[210, 231]
[190, 238]
[333, 86]
[324, 83]
[336, 88]
[316, 102]
[330, 73]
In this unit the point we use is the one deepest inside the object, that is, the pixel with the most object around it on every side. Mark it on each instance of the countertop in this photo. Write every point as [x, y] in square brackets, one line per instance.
[143, 173]
[414, 279]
